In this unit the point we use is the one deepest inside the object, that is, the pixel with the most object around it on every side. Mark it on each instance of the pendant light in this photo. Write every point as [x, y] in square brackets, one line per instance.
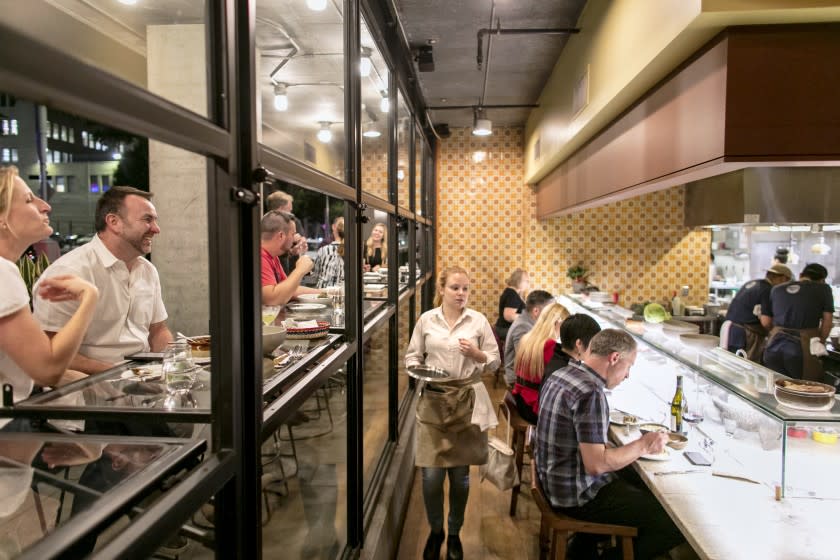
[281, 99]
[325, 134]
[482, 126]
[365, 63]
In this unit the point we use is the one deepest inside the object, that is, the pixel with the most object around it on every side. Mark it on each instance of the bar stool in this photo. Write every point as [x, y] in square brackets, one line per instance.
[556, 528]
[519, 428]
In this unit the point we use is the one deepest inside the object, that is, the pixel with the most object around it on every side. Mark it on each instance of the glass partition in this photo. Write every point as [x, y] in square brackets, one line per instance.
[375, 244]
[402, 247]
[405, 329]
[375, 111]
[300, 82]
[160, 46]
[375, 399]
[419, 152]
[304, 478]
[158, 229]
[403, 161]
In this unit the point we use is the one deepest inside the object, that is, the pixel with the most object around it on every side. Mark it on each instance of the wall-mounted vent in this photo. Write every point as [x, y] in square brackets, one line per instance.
[580, 95]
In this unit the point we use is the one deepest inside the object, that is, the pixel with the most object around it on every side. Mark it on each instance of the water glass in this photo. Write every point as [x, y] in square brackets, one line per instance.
[178, 368]
[269, 313]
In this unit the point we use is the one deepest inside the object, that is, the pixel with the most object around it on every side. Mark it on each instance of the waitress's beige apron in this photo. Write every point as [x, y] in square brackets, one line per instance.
[445, 436]
[812, 369]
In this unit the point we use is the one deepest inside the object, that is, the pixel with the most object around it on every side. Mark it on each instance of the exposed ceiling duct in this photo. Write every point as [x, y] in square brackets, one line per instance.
[765, 195]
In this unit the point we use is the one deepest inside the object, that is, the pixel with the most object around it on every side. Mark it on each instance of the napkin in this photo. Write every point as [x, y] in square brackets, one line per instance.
[817, 347]
[292, 324]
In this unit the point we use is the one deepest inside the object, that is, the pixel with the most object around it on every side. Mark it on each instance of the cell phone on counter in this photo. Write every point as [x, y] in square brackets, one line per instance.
[697, 458]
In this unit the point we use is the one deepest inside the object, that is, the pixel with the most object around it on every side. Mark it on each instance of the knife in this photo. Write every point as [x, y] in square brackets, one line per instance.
[734, 477]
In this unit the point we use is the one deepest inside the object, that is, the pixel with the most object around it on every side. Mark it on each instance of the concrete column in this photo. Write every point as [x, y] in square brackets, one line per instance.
[177, 70]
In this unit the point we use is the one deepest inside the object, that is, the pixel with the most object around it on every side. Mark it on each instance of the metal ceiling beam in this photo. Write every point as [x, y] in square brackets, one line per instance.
[515, 106]
[518, 31]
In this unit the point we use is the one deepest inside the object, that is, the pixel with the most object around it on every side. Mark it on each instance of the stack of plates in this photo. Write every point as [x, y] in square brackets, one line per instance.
[305, 333]
[369, 277]
[601, 297]
[672, 326]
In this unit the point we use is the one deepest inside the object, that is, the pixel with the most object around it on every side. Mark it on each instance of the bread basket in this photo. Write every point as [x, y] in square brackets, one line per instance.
[804, 395]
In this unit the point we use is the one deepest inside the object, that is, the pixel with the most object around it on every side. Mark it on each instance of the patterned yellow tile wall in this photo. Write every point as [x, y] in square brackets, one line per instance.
[375, 166]
[487, 223]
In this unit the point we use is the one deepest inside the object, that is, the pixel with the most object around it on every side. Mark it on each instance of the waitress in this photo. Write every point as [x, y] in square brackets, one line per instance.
[452, 417]
[798, 311]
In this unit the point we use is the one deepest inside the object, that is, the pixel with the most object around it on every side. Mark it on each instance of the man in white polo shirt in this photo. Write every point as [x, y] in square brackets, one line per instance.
[130, 315]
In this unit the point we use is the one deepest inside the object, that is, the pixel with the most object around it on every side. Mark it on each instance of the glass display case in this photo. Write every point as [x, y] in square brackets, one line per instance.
[736, 414]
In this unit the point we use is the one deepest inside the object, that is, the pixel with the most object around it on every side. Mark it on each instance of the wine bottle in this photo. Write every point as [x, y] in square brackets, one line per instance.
[677, 407]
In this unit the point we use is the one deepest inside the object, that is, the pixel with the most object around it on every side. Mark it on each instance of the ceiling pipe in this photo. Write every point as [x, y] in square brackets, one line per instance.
[489, 50]
[498, 31]
[515, 106]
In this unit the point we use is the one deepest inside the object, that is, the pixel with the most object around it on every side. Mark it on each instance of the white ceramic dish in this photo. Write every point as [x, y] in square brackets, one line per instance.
[375, 287]
[298, 307]
[664, 456]
[700, 341]
[621, 418]
[313, 298]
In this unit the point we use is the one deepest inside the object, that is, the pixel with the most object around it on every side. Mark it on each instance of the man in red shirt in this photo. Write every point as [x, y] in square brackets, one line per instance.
[278, 236]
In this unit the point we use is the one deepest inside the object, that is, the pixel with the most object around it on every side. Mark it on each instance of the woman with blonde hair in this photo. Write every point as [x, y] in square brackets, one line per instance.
[376, 248]
[535, 350]
[27, 355]
[512, 301]
[452, 417]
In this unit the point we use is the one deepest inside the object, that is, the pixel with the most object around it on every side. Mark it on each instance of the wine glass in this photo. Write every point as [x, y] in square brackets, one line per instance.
[178, 369]
[269, 313]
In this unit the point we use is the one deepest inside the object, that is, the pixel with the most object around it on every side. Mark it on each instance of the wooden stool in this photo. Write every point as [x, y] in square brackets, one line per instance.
[519, 429]
[555, 528]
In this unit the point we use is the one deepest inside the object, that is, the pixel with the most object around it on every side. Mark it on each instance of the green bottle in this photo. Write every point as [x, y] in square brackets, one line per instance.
[677, 407]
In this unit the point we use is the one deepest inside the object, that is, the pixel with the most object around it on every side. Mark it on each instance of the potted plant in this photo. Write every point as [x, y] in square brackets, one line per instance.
[580, 277]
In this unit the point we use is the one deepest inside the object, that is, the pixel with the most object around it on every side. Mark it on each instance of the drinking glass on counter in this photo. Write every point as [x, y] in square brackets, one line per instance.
[336, 293]
[178, 368]
[269, 313]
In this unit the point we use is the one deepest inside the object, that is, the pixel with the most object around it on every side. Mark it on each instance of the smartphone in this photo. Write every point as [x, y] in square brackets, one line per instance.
[697, 458]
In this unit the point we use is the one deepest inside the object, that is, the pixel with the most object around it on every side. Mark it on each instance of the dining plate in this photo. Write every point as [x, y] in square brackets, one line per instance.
[664, 456]
[313, 298]
[621, 418]
[375, 287]
[305, 306]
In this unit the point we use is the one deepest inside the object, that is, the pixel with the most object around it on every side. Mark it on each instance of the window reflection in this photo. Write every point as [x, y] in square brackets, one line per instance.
[403, 139]
[300, 79]
[375, 110]
[419, 152]
[375, 244]
[158, 45]
[375, 399]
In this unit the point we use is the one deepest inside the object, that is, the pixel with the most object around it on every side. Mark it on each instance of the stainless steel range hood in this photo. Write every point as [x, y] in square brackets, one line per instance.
[765, 195]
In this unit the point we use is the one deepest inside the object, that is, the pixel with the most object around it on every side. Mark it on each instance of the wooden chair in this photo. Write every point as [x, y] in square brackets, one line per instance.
[519, 430]
[555, 528]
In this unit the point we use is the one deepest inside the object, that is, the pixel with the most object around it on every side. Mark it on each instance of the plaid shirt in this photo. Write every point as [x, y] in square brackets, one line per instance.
[573, 410]
[329, 266]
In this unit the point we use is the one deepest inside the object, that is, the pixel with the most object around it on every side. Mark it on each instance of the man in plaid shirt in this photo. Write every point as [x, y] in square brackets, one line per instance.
[577, 468]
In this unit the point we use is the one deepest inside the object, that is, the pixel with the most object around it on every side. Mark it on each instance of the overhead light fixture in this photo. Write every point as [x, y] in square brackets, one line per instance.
[365, 63]
[385, 104]
[400, 174]
[482, 126]
[370, 131]
[316, 5]
[128, 2]
[281, 99]
[325, 134]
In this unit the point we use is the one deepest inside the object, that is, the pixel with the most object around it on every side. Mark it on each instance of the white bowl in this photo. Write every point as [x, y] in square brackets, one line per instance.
[700, 341]
[272, 337]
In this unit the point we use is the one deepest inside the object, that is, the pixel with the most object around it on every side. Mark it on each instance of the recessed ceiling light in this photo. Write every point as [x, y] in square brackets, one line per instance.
[370, 131]
[128, 2]
[316, 5]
